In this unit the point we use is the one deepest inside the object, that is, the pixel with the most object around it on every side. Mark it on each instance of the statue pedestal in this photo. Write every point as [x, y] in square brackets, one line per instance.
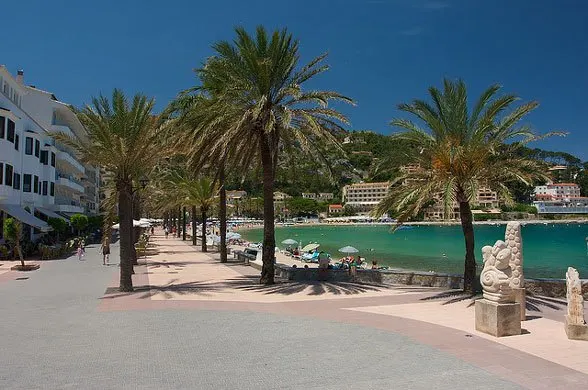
[520, 297]
[498, 319]
[576, 332]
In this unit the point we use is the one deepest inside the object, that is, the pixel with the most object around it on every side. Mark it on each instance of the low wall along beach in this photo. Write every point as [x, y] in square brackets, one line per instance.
[555, 288]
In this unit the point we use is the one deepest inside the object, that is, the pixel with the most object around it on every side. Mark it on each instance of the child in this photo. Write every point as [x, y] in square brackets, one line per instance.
[80, 252]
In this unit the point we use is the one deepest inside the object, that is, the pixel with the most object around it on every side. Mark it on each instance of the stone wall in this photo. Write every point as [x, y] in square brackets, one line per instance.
[555, 288]
[552, 287]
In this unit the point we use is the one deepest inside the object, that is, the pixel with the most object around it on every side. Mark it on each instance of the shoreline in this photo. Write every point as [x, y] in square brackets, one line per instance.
[421, 223]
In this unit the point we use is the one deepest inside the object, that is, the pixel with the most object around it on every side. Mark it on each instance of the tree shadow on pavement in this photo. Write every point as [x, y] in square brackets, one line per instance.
[170, 264]
[251, 283]
[246, 283]
[533, 302]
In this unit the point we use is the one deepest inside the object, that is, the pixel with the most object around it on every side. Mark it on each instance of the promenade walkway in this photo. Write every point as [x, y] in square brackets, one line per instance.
[195, 323]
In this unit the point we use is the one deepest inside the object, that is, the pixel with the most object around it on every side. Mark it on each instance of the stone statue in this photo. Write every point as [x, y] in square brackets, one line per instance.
[575, 315]
[497, 273]
[514, 241]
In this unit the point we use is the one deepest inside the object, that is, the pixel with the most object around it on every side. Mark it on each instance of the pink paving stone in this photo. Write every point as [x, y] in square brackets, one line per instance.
[181, 277]
[544, 337]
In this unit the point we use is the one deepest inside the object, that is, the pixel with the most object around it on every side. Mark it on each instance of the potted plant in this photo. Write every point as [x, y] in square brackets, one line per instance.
[13, 234]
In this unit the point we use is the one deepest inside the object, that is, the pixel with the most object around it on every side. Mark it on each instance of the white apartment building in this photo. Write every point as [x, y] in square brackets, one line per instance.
[321, 196]
[40, 177]
[558, 191]
[560, 198]
[365, 196]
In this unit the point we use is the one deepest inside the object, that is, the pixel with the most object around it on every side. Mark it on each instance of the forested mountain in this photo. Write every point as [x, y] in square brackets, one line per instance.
[370, 156]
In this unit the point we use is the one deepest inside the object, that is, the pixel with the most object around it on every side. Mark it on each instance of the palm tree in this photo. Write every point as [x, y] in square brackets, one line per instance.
[13, 234]
[462, 151]
[125, 139]
[201, 193]
[251, 102]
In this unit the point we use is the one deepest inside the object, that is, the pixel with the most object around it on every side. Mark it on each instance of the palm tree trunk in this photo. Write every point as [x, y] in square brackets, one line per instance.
[194, 232]
[223, 216]
[184, 223]
[203, 234]
[126, 230]
[179, 227]
[19, 251]
[269, 239]
[135, 231]
[469, 273]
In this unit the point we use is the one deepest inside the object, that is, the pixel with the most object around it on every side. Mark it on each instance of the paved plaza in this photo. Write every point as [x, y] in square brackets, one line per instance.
[194, 323]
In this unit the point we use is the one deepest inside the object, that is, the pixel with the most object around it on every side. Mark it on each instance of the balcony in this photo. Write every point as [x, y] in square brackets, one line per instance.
[67, 160]
[67, 205]
[69, 182]
[66, 208]
[62, 129]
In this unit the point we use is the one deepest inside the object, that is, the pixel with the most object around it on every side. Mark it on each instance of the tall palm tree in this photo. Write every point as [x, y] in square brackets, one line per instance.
[462, 151]
[125, 139]
[201, 193]
[251, 100]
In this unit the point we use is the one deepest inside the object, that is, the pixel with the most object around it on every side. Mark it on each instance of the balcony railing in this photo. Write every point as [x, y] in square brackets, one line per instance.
[62, 129]
[69, 181]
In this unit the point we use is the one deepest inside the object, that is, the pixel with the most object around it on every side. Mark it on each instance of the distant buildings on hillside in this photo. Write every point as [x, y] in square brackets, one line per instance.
[560, 198]
[364, 197]
[321, 197]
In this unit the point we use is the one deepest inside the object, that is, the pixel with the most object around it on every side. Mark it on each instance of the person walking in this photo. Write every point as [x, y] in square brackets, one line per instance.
[105, 249]
[80, 251]
[166, 231]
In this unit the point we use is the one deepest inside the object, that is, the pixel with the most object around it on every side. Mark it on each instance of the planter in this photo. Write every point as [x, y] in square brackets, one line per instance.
[27, 267]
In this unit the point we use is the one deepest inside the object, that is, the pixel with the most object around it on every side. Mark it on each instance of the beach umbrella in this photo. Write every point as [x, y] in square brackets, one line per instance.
[233, 236]
[135, 224]
[309, 247]
[289, 241]
[348, 249]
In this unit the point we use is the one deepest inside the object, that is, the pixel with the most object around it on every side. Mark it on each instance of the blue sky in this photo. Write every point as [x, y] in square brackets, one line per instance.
[381, 52]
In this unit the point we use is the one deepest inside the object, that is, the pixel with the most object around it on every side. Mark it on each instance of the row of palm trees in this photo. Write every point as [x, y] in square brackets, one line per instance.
[250, 108]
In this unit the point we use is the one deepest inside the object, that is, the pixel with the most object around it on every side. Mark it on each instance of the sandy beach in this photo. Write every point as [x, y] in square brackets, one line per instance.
[422, 223]
[281, 258]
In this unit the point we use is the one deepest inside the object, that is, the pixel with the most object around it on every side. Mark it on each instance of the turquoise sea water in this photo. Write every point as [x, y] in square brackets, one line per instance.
[547, 249]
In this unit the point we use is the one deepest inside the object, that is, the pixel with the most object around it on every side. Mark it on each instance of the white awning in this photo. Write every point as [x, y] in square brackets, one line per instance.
[50, 214]
[21, 214]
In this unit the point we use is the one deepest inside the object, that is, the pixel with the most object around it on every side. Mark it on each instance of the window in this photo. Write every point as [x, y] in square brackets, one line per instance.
[16, 184]
[16, 141]
[44, 157]
[52, 159]
[26, 183]
[36, 185]
[9, 171]
[2, 122]
[29, 146]
[1, 173]
[37, 148]
[10, 131]
[52, 189]
[45, 187]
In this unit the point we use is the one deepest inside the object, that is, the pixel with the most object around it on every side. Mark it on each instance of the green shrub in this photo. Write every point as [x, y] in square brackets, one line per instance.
[59, 226]
[79, 222]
